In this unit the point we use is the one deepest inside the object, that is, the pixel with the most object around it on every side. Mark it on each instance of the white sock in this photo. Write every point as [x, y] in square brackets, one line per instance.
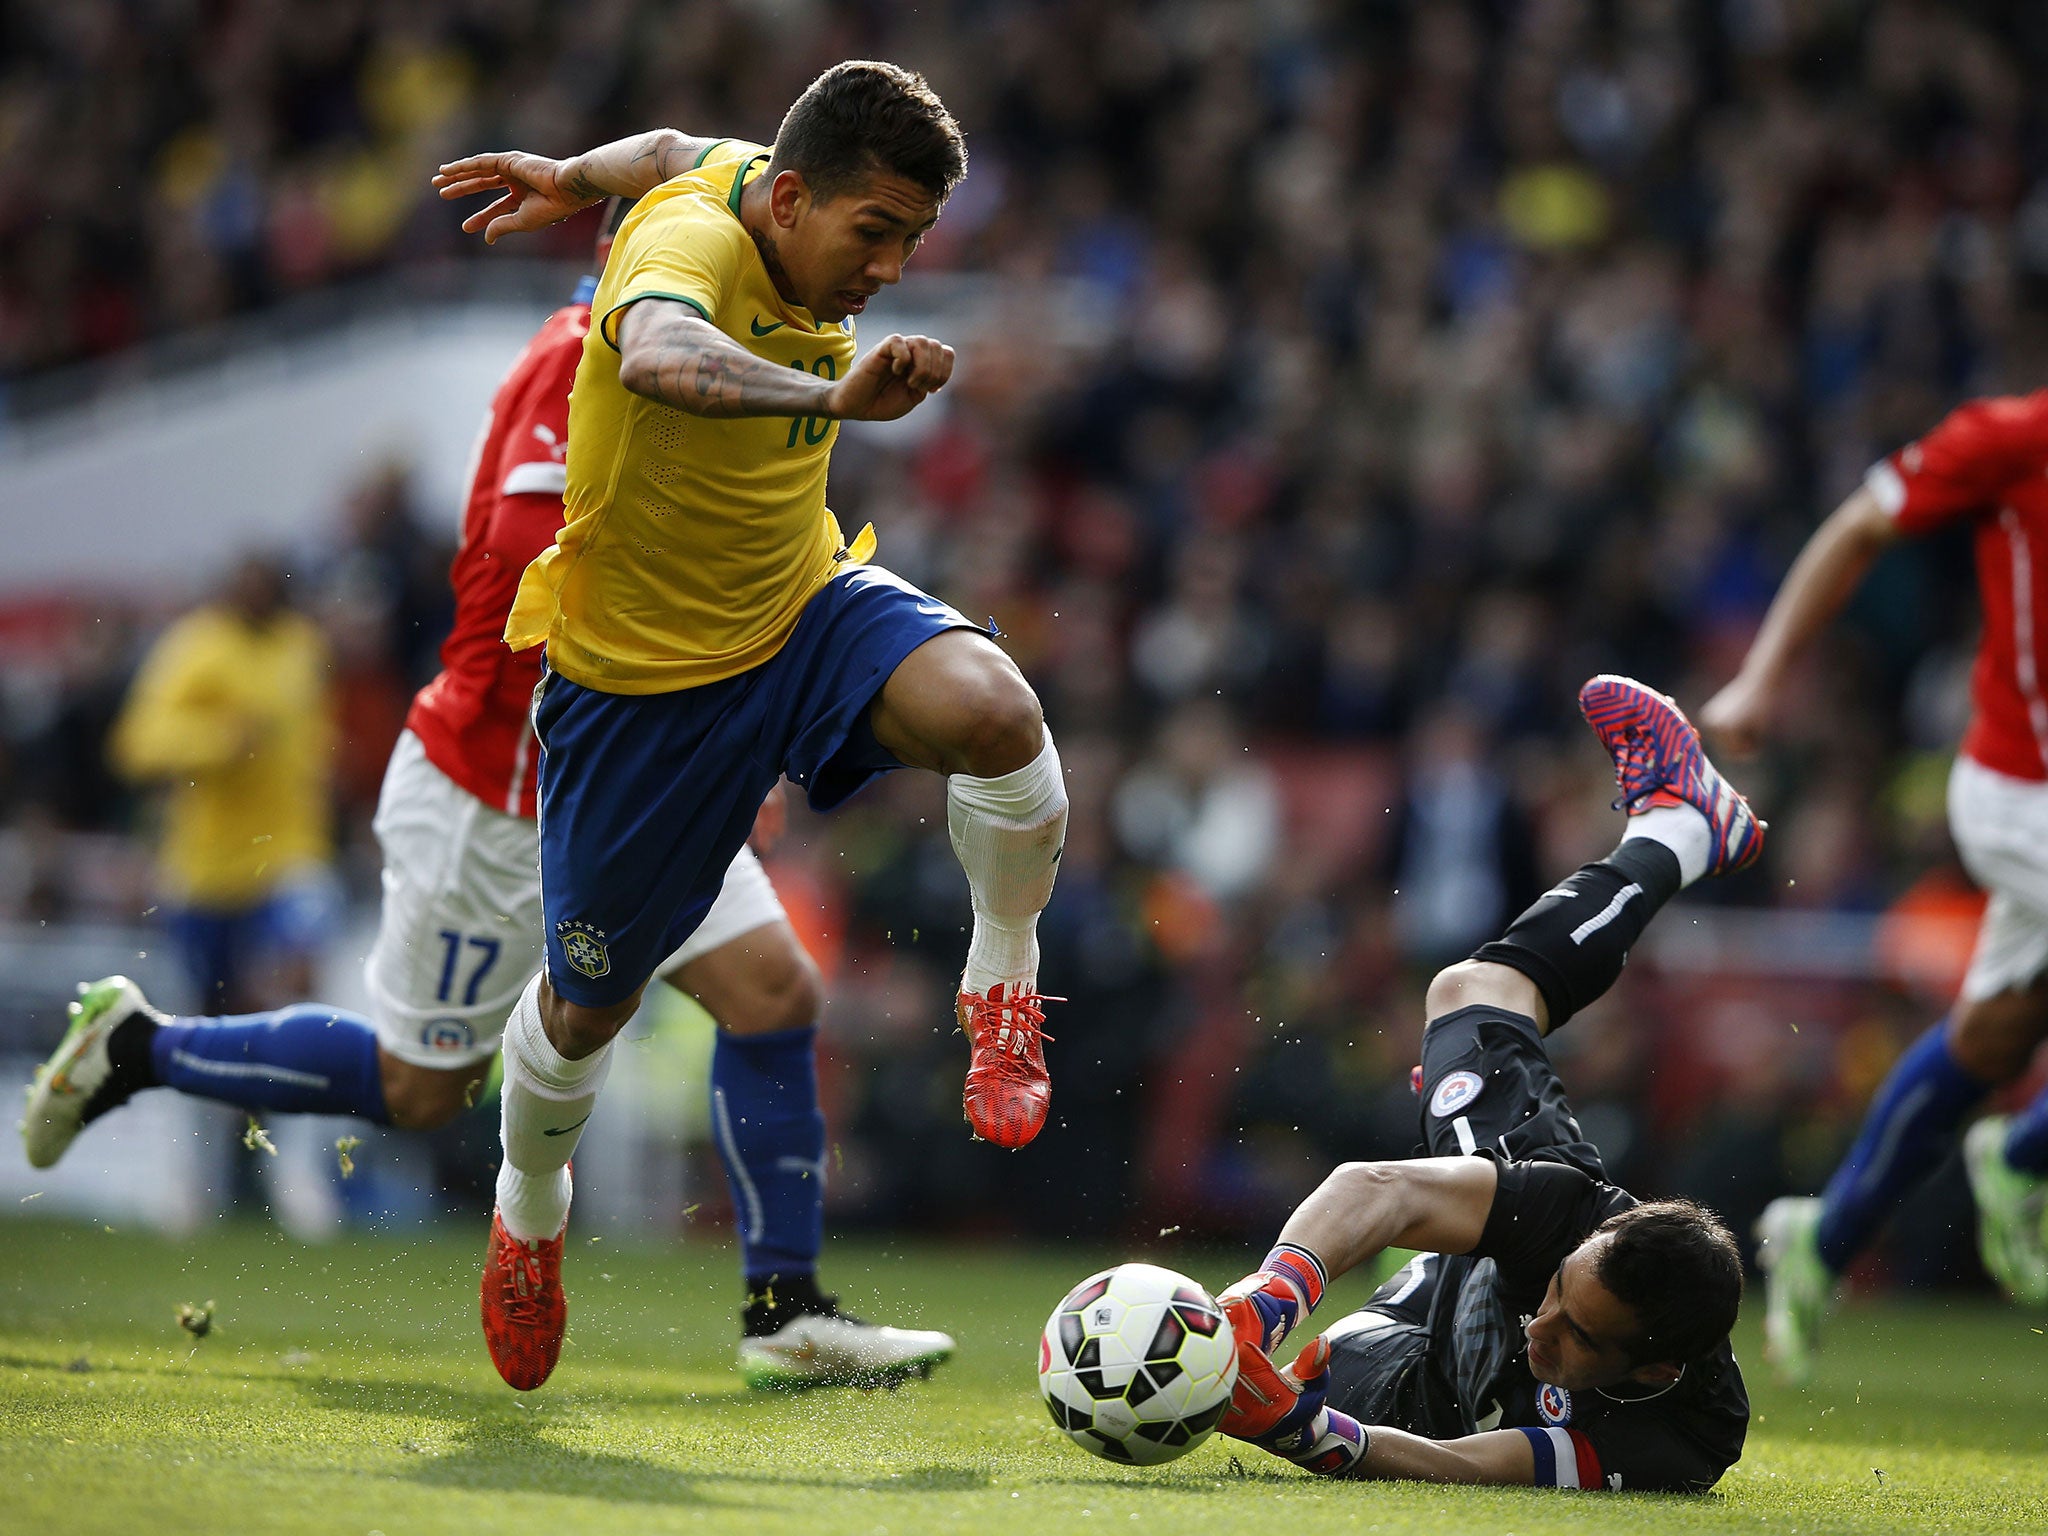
[1683, 830]
[544, 1092]
[1008, 832]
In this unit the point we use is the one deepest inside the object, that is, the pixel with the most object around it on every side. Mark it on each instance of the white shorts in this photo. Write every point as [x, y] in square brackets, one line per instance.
[2000, 827]
[459, 935]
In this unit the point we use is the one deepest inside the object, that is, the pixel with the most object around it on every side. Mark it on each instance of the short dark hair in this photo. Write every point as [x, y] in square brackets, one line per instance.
[1675, 1265]
[863, 116]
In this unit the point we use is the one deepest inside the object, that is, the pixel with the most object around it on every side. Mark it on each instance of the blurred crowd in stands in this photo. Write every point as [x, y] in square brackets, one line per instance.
[1455, 351]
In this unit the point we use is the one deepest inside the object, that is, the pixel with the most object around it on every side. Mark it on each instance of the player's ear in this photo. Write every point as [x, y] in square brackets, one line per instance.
[1662, 1374]
[786, 196]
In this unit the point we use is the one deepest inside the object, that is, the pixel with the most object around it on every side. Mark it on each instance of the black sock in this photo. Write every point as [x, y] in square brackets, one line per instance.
[129, 1063]
[772, 1300]
[1573, 941]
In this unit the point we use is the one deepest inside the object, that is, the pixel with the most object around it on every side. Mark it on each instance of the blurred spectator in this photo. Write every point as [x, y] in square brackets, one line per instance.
[1203, 806]
[64, 767]
[1462, 859]
[229, 714]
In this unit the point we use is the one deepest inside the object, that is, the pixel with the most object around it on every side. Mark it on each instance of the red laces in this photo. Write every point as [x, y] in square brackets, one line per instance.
[1012, 1026]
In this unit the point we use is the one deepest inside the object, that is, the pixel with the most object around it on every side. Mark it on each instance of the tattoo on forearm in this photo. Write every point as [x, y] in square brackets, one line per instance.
[691, 366]
[630, 167]
[663, 156]
[655, 163]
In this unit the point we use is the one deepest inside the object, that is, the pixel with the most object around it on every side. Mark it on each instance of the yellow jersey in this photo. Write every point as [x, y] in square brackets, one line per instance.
[690, 544]
[234, 718]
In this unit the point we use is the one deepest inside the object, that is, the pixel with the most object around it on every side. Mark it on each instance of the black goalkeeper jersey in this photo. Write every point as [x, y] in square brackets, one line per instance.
[1439, 1351]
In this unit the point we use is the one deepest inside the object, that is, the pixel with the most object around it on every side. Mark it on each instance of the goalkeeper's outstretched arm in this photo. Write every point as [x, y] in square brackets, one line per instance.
[1435, 1204]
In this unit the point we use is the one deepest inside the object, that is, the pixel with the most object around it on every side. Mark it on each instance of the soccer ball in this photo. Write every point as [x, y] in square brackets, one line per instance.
[1137, 1364]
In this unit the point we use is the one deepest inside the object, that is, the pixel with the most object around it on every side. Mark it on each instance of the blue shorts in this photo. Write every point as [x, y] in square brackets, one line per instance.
[220, 946]
[646, 798]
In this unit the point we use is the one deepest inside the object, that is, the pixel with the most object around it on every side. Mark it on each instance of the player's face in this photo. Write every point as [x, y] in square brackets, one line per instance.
[841, 252]
[1578, 1338]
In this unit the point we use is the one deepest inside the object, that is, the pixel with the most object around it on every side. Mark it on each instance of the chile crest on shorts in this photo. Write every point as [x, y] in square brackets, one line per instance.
[583, 946]
[1456, 1091]
[447, 1035]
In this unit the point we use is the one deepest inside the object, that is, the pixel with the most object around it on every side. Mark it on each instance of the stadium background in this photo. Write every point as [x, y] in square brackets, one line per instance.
[1340, 385]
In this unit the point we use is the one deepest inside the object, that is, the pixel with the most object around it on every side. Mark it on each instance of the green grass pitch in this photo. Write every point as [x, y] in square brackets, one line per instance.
[345, 1389]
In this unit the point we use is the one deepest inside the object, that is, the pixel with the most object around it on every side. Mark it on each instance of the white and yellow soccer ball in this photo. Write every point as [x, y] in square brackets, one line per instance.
[1137, 1364]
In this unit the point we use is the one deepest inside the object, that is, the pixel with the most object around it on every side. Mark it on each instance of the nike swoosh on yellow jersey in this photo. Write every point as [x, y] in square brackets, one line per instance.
[763, 330]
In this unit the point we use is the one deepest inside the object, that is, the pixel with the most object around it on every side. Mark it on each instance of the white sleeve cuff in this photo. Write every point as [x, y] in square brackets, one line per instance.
[1888, 486]
[537, 477]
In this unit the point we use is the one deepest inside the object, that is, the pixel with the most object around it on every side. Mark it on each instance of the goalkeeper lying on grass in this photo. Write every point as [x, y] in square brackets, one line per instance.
[1553, 1330]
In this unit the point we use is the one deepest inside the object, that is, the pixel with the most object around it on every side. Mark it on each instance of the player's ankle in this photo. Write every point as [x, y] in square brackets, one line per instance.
[534, 1207]
[1011, 962]
[128, 1051]
[1681, 828]
[774, 1297]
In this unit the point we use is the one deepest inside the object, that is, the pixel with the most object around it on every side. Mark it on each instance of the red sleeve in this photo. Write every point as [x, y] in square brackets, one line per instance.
[534, 446]
[1965, 464]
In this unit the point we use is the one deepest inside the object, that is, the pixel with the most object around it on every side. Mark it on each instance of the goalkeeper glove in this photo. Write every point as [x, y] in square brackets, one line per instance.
[1267, 1305]
[1282, 1409]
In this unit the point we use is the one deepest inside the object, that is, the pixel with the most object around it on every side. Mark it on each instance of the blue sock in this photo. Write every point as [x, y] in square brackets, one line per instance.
[305, 1059]
[771, 1138]
[1905, 1131]
[2026, 1141]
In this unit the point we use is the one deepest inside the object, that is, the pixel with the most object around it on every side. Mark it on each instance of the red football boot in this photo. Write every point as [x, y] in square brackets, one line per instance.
[525, 1312]
[1008, 1089]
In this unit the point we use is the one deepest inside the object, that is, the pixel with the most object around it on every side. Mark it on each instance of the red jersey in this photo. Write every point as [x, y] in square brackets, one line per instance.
[472, 719]
[1988, 461]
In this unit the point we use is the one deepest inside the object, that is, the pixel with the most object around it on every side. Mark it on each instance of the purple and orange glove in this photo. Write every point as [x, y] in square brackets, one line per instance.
[1266, 1305]
[1282, 1409]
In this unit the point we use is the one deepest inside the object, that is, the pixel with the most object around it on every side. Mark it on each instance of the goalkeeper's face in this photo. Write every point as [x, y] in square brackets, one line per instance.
[1579, 1339]
[839, 251]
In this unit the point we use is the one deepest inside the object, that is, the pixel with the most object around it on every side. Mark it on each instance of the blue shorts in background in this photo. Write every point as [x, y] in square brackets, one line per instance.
[222, 946]
[646, 798]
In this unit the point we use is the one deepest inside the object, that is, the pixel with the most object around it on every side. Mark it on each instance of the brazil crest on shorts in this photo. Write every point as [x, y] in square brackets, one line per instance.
[584, 946]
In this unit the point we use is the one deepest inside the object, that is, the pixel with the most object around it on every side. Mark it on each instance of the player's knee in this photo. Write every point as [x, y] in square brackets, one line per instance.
[424, 1098]
[1485, 984]
[789, 994]
[1454, 987]
[802, 997]
[1994, 1038]
[575, 1030]
[1004, 725]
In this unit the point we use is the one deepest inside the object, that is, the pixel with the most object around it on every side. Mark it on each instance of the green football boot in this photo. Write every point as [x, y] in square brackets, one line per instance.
[2010, 1209]
[78, 1083]
[1799, 1289]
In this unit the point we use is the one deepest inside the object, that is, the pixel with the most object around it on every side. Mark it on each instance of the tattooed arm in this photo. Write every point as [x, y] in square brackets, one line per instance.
[538, 191]
[633, 167]
[670, 353]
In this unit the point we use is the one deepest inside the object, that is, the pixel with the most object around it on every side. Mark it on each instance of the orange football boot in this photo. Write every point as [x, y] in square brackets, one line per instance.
[525, 1312]
[1008, 1089]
